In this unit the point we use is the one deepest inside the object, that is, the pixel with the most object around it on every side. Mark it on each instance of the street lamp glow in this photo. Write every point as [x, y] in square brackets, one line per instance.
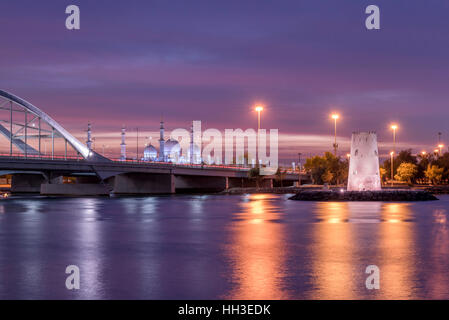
[394, 128]
[335, 116]
[440, 145]
[423, 153]
[258, 109]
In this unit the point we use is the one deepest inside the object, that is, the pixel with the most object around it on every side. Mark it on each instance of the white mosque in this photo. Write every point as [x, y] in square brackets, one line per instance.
[169, 150]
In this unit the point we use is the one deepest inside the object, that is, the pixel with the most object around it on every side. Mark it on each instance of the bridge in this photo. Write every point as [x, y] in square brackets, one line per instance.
[81, 171]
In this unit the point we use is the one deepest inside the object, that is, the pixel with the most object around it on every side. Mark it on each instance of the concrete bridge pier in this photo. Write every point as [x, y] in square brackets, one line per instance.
[201, 184]
[26, 183]
[143, 183]
[80, 186]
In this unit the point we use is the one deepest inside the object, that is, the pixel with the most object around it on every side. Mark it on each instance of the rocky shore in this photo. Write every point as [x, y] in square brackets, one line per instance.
[277, 190]
[384, 195]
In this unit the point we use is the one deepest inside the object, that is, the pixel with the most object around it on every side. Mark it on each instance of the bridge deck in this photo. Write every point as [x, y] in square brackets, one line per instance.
[106, 169]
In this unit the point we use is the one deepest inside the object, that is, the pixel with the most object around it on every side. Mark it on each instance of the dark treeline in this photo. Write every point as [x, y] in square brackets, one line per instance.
[413, 169]
[327, 169]
[422, 168]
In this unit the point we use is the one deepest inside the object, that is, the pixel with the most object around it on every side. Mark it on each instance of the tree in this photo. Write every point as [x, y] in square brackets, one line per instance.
[327, 168]
[403, 156]
[443, 162]
[434, 173]
[327, 176]
[406, 172]
[254, 174]
[423, 163]
[383, 174]
[280, 176]
[316, 166]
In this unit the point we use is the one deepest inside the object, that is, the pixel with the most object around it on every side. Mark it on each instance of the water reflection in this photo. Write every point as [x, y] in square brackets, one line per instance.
[352, 235]
[333, 252]
[257, 250]
[209, 247]
[89, 256]
[396, 256]
[437, 284]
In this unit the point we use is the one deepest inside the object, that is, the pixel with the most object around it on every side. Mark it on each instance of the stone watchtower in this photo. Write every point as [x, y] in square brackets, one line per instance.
[364, 163]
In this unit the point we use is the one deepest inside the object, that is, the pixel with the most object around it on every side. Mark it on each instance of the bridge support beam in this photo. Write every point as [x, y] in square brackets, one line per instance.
[74, 189]
[201, 184]
[26, 183]
[143, 183]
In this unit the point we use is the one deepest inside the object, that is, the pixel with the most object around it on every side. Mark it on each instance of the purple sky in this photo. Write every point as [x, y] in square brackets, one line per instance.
[213, 60]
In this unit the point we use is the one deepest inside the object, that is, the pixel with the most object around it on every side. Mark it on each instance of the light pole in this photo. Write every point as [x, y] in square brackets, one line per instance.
[259, 109]
[335, 117]
[299, 161]
[440, 146]
[137, 143]
[394, 127]
[436, 152]
[391, 161]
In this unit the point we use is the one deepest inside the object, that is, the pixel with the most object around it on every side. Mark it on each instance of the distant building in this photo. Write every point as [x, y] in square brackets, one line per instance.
[123, 145]
[170, 150]
[149, 153]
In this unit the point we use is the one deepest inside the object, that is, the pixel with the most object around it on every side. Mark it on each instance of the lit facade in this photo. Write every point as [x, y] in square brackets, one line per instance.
[364, 163]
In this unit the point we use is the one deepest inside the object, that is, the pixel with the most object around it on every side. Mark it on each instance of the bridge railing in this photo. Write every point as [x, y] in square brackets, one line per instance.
[60, 157]
[39, 157]
[20, 156]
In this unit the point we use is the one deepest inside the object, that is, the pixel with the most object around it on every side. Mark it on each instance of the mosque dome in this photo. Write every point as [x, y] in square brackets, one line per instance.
[172, 150]
[150, 153]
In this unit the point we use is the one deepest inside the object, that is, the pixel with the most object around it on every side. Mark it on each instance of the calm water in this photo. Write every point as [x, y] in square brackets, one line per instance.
[212, 247]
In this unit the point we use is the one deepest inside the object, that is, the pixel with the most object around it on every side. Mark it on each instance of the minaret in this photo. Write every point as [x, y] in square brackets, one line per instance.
[89, 137]
[123, 145]
[191, 144]
[162, 143]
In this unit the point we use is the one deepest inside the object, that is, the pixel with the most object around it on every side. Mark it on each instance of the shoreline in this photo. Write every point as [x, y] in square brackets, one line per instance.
[294, 190]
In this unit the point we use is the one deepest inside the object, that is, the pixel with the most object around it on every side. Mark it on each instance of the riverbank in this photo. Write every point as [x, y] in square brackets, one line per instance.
[276, 190]
[382, 195]
[287, 190]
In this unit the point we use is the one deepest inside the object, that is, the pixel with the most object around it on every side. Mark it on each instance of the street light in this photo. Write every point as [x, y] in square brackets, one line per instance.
[392, 159]
[440, 146]
[394, 127]
[335, 117]
[259, 109]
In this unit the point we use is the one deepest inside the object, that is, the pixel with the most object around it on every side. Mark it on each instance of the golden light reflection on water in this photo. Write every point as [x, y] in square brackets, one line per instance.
[438, 281]
[332, 252]
[341, 240]
[257, 250]
[396, 242]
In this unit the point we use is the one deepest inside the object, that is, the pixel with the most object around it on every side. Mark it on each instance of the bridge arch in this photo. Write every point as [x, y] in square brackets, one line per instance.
[13, 103]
